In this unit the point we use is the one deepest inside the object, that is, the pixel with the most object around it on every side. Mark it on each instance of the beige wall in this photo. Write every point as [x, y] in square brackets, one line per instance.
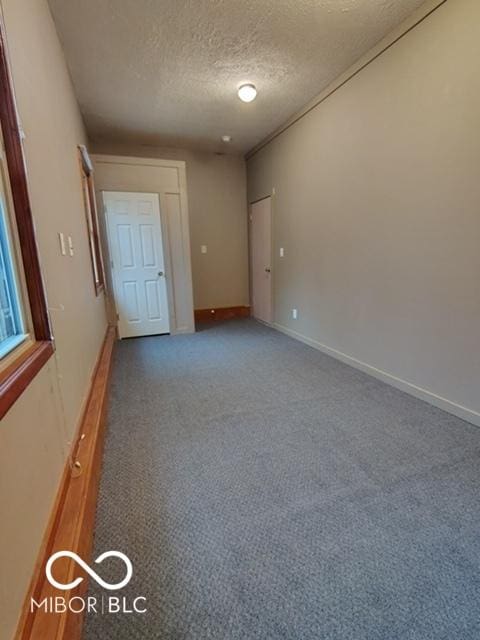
[218, 218]
[36, 433]
[378, 208]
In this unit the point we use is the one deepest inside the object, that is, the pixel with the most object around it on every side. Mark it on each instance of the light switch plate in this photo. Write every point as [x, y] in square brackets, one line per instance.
[61, 239]
[282, 252]
[295, 314]
[70, 245]
[203, 248]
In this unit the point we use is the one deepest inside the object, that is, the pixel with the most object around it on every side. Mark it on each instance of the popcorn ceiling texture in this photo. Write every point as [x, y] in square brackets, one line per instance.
[165, 72]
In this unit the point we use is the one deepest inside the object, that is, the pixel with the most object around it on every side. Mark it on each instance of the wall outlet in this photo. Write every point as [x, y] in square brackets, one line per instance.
[295, 314]
[282, 252]
[203, 248]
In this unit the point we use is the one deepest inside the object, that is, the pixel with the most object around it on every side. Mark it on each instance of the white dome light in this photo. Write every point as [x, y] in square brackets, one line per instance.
[247, 92]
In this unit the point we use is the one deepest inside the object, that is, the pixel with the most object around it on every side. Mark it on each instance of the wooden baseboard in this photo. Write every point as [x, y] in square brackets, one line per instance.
[72, 520]
[223, 313]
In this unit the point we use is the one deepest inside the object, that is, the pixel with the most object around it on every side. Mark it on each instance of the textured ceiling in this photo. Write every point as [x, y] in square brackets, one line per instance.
[165, 72]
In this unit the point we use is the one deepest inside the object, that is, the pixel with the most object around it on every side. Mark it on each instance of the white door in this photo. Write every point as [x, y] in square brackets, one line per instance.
[137, 263]
[260, 259]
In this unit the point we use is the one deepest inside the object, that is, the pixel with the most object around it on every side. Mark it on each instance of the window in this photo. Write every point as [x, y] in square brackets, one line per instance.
[25, 337]
[92, 219]
[12, 324]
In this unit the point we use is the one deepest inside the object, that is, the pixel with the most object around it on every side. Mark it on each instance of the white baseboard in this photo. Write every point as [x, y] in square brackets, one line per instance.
[423, 394]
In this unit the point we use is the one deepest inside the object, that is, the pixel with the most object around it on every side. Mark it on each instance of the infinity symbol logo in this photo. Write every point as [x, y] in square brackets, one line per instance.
[91, 573]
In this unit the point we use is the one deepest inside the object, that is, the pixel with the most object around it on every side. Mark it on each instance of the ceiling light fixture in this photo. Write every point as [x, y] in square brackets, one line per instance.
[226, 138]
[247, 92]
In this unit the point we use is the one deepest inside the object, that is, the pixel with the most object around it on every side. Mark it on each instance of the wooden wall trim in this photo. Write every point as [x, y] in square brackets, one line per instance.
[220, 314]
[16, 378]
[21, 201]
[71, 522]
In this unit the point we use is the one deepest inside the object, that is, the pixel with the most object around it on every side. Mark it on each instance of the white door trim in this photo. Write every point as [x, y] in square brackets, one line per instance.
[153, 162]
[270, 259]
[180, 285]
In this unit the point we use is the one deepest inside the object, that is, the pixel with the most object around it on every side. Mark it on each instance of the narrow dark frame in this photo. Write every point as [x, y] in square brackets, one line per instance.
[16, 377]
[95, 251]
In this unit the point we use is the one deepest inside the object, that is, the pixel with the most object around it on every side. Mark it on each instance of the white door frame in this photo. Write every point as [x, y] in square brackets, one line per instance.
[130, 177]
[270, 196]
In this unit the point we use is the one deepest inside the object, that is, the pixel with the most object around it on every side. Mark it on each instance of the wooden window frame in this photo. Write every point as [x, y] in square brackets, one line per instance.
[92, 220]
[15, 378]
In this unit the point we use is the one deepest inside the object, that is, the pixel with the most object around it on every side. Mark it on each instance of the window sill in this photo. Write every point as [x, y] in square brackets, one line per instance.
[11, 344]
[17, 376]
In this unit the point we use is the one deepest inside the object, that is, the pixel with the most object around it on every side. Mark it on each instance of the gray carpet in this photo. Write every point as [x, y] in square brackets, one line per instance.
[266, 491]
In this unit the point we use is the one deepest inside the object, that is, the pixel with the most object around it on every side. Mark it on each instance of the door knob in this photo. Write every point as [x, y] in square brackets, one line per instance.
[160, 273]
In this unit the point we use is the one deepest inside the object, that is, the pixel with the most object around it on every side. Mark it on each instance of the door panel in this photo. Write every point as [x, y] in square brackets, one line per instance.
[260, 259]
[130, 306]
[125, 245]
[153, 302]
[138, 269]
[145, 207]
[148, 245]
